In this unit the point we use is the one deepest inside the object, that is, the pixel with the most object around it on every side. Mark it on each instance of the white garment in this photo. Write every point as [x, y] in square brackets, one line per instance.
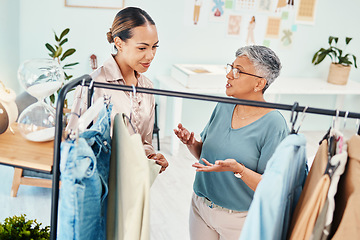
[323, 225]
[131, 175]
[341, 159]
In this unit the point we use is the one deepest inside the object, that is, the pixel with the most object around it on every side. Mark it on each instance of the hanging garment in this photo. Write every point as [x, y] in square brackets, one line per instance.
[316, 172]
[346, 222]
[323, 222]
[305, 224]
[315, 193]
[278, 192]
[84, 168]
[131, 175]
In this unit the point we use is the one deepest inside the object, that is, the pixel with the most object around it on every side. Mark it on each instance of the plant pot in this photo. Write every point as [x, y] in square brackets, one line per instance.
[338, 74]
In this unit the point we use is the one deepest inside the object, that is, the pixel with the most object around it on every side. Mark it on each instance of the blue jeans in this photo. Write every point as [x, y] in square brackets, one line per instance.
[84, 170]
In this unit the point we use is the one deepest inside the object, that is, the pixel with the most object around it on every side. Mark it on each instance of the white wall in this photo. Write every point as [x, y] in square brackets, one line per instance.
[9, 43]
[179, 43]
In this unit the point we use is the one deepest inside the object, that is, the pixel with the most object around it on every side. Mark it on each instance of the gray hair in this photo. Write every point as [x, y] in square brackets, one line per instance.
[266, 63]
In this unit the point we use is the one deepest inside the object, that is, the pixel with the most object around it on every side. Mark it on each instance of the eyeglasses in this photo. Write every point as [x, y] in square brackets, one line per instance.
[237, 72]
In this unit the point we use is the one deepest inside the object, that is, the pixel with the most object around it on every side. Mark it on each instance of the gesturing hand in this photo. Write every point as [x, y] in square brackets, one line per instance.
[184, 135]
[219, 166]
[160, 160]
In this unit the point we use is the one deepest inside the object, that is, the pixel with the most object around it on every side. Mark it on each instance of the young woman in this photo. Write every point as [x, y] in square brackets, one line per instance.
[135, 40]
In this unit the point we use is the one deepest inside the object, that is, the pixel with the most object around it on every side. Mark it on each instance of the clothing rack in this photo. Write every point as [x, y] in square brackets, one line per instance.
[86, 80]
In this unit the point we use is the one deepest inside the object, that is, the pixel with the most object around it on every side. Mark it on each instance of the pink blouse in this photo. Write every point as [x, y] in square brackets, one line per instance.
[143, 105]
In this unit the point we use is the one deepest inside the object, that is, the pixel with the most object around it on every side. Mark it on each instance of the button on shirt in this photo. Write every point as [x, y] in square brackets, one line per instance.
[143, 105]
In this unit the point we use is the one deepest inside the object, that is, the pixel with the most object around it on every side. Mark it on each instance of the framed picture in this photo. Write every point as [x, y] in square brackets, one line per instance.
[109, 4]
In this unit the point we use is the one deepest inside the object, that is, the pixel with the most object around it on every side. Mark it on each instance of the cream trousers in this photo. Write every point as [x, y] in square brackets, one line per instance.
[214, 223]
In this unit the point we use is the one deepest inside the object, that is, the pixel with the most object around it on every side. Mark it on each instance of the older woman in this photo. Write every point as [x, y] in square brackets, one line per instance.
[234, 148]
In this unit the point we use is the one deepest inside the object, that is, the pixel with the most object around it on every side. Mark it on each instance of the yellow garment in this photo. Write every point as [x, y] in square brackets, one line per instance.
[316, 172]
[315, 175]
[346, 222]
[130, 178]
[307, 218]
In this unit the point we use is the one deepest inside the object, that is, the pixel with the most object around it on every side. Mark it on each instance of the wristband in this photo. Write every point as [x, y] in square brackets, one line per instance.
[240, 174]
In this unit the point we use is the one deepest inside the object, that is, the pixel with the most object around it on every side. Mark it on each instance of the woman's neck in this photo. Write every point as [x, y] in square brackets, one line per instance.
[127, 72]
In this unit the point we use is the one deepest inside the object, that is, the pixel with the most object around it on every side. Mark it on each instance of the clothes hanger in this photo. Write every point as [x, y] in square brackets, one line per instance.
[292, 118]
[85, 120]
[132, 96]
[127, 121]
[71, 133]
[302, 119]
[80, 96]
[71, 122]
[327, 134]
[90, 114]
[330, 169]
[345, 118]
[332, 139]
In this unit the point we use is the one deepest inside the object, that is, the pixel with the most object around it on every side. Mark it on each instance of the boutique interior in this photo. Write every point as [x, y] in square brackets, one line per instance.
[47, 45]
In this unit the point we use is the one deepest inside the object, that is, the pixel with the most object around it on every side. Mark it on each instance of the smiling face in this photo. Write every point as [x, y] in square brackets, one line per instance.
[246, 86]
[138, 52]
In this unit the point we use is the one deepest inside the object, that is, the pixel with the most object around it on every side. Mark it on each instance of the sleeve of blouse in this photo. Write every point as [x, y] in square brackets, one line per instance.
[272, 140]
[149, 149]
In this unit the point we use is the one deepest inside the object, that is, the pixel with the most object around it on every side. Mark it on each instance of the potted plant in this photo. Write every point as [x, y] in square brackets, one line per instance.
[18, 228]
[341, 62]
[58, 52]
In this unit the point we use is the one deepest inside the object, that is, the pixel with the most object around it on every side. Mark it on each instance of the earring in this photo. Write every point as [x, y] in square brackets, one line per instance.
[114, 50]
[255, 90]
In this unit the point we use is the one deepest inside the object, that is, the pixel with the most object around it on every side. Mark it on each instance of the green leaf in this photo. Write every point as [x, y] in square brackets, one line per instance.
[340, 52]
[321, 57]
[354, 61]
[63, 41]
[51, 55]
[66, 31]
[347, 40]
[345, 62]
[50, 48]
[67, 77]
[68, 53]
[58, 52]
[56, 37]
[315, 56]
[70, 64]
[333, 52]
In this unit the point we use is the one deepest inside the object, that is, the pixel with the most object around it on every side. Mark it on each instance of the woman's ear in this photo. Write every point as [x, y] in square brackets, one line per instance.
[261, 84]
[118, 43]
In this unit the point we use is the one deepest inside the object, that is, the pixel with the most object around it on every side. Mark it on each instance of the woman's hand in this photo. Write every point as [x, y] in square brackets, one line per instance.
[220, 166]
[160, 160]
[184, 135]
